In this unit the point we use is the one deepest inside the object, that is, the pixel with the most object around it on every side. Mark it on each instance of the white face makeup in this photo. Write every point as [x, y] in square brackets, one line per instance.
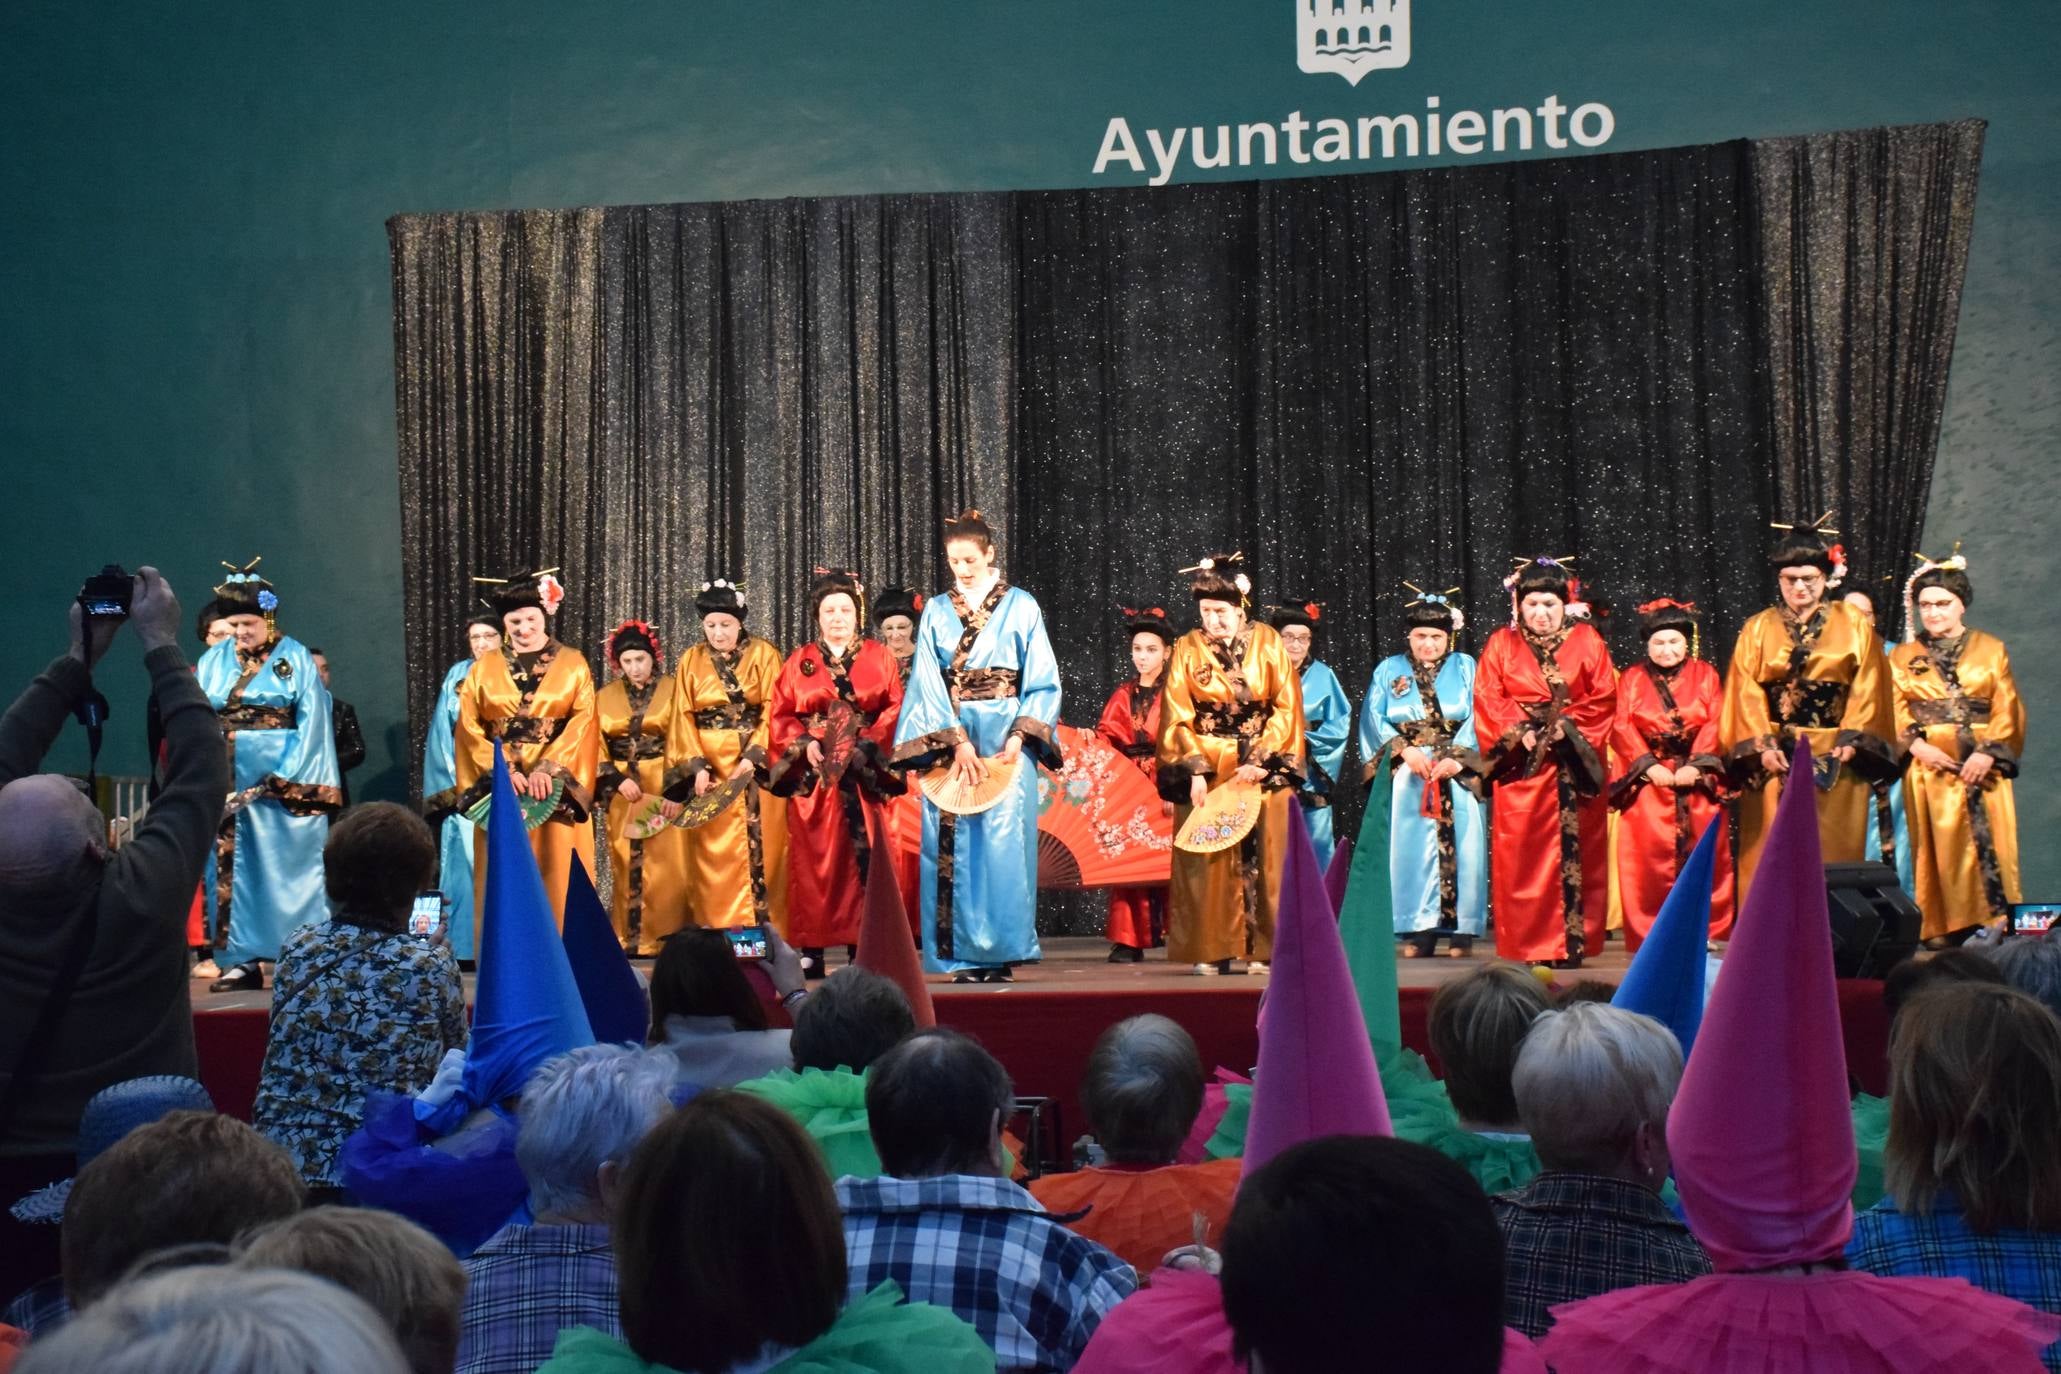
[1941, 612]
[721, 630]
[1667, 648]
[1297, 639]
[1542, 612]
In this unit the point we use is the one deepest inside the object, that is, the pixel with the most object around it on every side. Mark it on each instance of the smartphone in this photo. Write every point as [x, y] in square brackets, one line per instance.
[2034, 918]
[427, 917]
[748, 942]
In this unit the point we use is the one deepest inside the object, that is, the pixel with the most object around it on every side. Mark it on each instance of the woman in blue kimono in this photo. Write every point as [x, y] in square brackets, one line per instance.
[284, 782]
[1420, 709]
[1327, 720]
[440, 782]
[985, 684]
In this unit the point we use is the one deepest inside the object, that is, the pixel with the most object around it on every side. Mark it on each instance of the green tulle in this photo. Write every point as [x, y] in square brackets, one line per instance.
[878, 1333]
[1870, 1134]
[830, 1104]
[1417, 1105]
[1498, 1164]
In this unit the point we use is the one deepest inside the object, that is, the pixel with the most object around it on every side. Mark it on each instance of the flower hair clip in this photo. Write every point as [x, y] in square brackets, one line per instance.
[551, 592]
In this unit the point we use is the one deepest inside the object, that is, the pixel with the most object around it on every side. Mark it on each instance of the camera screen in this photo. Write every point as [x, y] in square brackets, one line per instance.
[426, 917]
[105, 606]
[747, 942]
[2034, 918]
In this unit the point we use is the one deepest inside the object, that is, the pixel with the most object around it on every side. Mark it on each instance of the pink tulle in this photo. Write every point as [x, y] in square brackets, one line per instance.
[1830, 1323]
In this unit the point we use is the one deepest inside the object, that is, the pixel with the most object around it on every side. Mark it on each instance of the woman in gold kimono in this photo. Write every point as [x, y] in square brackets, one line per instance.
[537, 697]
[737, 862]
[1232, 708]
[1814, 670]
[1959, 716]
[648, 899]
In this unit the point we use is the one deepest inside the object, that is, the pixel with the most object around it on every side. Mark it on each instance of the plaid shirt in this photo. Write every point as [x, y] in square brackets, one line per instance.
[985, 1249]
[527, 1284]
[1569, 1236]
[2025, 1265]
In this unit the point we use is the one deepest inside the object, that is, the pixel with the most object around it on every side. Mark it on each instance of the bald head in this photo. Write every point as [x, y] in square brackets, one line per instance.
[51, 838]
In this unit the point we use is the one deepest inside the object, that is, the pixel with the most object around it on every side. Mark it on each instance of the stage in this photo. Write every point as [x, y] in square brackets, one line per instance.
[1043, 1025]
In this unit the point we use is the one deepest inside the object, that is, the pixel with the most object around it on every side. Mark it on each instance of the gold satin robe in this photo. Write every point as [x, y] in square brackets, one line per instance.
[1843, 699]
[1204, 729]
[648, 899]
[1965, 867]
[553, 730]
[735, 878]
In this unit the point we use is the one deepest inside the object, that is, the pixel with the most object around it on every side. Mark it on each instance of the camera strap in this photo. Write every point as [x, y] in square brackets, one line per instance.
[91, 710]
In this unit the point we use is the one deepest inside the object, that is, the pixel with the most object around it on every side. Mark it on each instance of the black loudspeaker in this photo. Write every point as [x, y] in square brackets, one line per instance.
[1875, 923]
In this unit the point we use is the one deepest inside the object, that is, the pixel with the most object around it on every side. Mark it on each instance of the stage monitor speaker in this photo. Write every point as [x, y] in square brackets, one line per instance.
[1874, 921]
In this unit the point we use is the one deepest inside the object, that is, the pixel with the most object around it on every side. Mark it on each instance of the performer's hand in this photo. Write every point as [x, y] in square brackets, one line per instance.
[1660, 777]
[703, 781]
[1445, 768]
[629, 791]
[783, 965]
[1012, 749]
[1530, 741]
[1933, 757]
[1198, 789]
[1417, 761]
[669, 810]
[815, 754]
[1774, 761]
[154, 611]
[1976, 768]
[1250, 773]
[744, 769]
[1844, 753]
[1199, 1259]
[540, 784]
[967, 768]
[1166, 808]
[1687, 777]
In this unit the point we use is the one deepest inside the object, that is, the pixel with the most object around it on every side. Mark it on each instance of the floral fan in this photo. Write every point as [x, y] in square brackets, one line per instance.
[1099, 819]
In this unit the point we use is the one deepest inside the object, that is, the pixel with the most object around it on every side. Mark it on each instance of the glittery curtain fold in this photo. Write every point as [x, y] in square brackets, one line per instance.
[1637, 359]
[1864, 250]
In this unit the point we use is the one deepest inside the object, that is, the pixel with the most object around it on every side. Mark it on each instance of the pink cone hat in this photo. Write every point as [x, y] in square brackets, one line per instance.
[1761, 1133]
[885, 945]
[1316, 1075]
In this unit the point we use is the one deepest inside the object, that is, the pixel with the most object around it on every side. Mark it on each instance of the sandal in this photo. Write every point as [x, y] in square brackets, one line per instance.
[207, 969]
[243, 978]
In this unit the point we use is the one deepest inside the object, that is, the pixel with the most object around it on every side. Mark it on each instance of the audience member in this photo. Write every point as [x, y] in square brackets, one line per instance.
[583, 1114]
[222, 1321]
[706, 1012]
[401, 1271]
[848, 1020]
[343, 725]
[359, 1004]
[948, 1226]
[1362, 1238]
[192, 1177]
[111, 1115]
[1592, 1086]
[1141, 1092]
[726, 1230]
[2032, 964]
[1974, 1136]
[1477, 1023]
[92, 941]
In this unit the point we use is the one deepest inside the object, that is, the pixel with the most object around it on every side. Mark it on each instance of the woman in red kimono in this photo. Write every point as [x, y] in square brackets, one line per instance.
[1543, 703]
[1665, 754]
[1130, 725]
[895, 613]
[834, 711]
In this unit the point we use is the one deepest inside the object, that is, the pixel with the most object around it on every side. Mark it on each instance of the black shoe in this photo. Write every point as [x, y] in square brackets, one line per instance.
[1570, 963]
[243, 978]
[999, 974]
[1126, 954]
[812, 963]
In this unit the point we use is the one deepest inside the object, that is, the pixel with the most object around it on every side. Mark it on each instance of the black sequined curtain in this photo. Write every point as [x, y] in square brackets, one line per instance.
[652, 396]
[1865, 247]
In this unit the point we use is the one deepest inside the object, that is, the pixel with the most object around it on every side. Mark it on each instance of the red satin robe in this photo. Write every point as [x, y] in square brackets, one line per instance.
[1549, 874]
[827, 827]
[1660, 825]
[1137, 915]
[905, 823]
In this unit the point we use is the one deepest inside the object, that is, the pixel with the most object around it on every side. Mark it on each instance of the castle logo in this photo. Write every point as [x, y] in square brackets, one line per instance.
[1352, 37]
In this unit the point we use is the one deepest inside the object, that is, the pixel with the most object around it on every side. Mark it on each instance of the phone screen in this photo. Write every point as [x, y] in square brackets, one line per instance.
[2034, 918]
[747, 942]
[426, 917]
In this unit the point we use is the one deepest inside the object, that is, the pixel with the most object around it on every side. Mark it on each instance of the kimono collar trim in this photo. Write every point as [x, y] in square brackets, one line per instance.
[979, 591]
[256, 657]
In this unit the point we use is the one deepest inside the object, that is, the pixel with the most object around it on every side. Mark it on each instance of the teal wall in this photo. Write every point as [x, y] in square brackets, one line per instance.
[197, 355]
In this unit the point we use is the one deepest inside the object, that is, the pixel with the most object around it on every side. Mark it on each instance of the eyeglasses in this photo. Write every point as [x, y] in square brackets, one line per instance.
[1802, 579]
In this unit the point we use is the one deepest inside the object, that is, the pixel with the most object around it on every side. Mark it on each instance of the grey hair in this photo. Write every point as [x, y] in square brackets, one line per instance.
[1587, 1078]
[221, 1321]
[583, 1110]
[1142, 1089]
[2033, 966]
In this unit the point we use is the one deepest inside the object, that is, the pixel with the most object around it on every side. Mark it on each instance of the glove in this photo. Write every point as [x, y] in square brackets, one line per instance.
[449, 1079]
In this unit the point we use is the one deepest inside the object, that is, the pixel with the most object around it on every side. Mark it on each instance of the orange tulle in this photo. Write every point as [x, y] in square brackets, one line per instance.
[1829, 1323]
